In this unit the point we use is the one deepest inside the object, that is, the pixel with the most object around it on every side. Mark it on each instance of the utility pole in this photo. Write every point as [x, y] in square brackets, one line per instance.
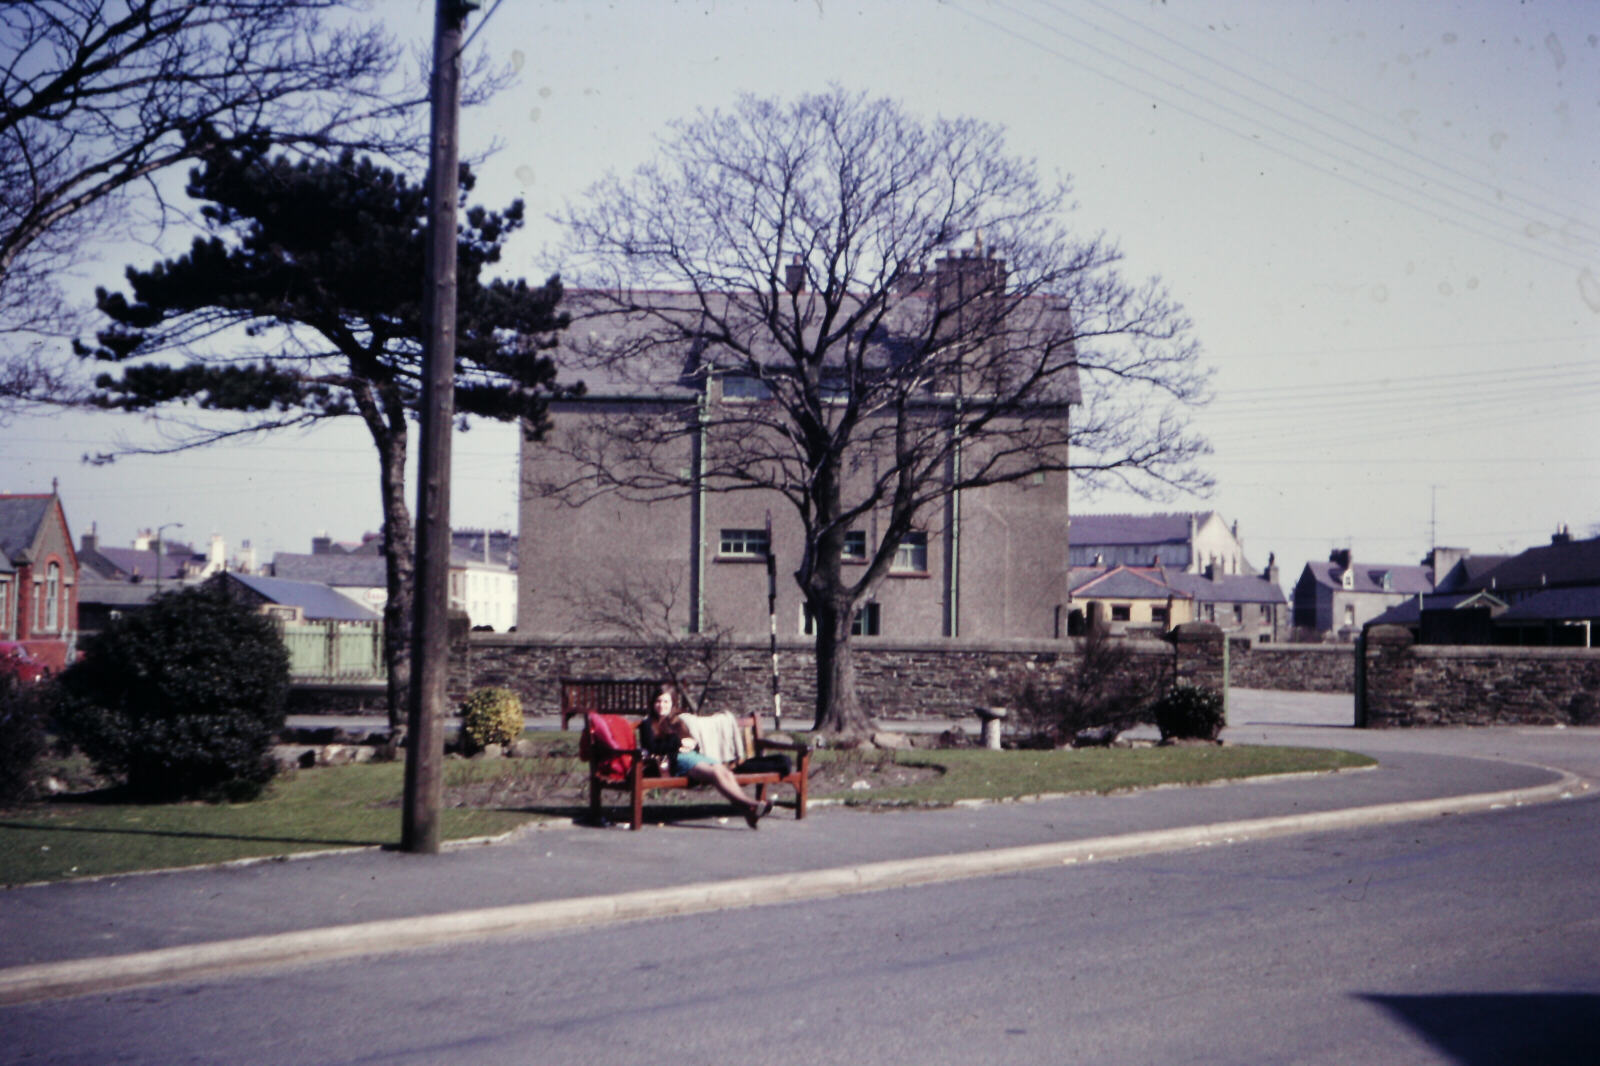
[430, 625]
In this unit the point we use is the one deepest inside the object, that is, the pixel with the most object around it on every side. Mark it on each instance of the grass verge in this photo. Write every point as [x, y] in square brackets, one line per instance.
[359, 806]
[998, 775]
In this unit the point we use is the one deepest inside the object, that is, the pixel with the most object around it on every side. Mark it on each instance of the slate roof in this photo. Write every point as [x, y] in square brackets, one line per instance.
[1368, 577]
[20, 518]
[1575, 562]
[319, 602]
[131, 561]
[1556, 605]
[1230, 588]
[343, 570]
[1095, 529]
[1409, 613]
[1119, 582]
[1470, 573]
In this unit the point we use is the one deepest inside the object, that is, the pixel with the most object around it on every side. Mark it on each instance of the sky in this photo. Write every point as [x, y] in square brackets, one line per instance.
[1383, 218]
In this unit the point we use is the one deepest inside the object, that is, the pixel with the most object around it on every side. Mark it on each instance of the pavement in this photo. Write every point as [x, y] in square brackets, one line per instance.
[94, 936]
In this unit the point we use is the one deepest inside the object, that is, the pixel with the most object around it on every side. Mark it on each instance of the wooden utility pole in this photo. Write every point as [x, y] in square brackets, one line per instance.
[430, 624]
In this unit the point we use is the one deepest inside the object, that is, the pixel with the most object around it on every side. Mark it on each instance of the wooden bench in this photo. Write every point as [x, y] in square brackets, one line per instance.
[580, 695]
[636, 782]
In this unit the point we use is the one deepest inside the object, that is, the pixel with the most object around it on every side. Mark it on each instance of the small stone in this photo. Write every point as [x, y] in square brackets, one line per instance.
[860, 786]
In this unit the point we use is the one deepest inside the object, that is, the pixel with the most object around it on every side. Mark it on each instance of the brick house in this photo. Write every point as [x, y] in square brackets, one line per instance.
[38, 578]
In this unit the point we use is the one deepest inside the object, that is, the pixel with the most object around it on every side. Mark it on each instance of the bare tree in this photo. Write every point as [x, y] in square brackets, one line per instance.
[102, 96]
[802, 255]
[645, 605]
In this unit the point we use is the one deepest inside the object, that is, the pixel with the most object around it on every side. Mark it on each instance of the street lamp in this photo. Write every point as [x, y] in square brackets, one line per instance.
[167, 525]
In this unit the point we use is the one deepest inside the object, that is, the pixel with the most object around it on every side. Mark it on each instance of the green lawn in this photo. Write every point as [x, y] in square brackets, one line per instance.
[981, 774]
[358, 806]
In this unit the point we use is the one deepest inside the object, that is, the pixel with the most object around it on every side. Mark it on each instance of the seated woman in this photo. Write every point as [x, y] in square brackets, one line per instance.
[665, 732]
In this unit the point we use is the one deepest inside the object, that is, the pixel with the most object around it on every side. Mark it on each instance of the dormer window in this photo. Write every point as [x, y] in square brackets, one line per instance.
[1387, 581]
[1348, 579]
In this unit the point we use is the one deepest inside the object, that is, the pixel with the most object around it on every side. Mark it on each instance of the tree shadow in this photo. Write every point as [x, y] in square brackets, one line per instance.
[1491, 1029]
[184, 834]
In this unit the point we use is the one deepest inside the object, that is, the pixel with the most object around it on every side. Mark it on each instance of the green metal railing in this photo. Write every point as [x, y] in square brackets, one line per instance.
[334, 651]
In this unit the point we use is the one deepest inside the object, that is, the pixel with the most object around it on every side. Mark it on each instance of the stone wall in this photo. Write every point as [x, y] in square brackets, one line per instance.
[1438, 685]
[942, 680]
[1292, 667]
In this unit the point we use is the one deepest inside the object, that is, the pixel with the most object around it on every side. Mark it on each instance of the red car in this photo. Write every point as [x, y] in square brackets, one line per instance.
[18, 662]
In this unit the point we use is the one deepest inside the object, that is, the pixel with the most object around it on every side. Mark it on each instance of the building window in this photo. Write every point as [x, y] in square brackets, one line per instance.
[1121, 612]
[743, 543]
[5, 607]
[1211, 612]
[1238, 613]
[1158, 615]
[744, 387]
[864, 624]
[1349, 615]
[52, 598]
[912, 555]
[855, 546]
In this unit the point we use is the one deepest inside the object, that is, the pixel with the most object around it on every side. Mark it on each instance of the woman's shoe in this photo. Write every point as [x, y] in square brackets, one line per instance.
[753, 815]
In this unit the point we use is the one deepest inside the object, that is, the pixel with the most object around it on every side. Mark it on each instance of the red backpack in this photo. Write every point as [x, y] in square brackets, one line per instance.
[608, 732]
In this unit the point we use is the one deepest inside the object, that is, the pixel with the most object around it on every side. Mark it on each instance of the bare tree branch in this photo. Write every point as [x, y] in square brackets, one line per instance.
[783, 284]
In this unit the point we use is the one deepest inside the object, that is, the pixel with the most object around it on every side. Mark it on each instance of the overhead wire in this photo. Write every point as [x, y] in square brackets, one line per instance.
[1404, 198]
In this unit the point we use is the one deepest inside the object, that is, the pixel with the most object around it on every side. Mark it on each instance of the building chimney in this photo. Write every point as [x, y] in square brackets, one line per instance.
[90, 540]
[322, 545]
[1272, 567]
[1562, 535]
[1340, 556]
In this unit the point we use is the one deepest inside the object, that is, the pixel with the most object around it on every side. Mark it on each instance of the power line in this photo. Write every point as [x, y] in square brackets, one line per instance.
[1434, 212]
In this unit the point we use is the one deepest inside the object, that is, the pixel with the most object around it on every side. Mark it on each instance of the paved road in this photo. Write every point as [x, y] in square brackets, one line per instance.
[1159, 958]
[1466, 940]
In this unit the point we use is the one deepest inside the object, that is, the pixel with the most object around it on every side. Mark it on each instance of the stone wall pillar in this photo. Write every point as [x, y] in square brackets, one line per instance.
[1200, 656]
[1387, 678]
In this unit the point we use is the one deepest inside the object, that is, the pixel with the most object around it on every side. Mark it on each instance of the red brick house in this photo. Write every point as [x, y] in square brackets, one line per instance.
[38, 578]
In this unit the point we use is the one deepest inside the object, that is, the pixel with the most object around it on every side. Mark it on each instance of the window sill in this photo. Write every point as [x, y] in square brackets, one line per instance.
[740, 559]
[911, 573]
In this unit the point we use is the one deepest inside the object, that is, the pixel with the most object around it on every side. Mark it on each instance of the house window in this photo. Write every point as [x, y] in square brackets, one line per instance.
[743, 543]
[1211, 612]
[1158, 615]
[1349, 615]
[5, 606]
[864, 624]
[1121, 612]
[743, 387]
[52, 598]
[912, 555]
[1238, 613]
[855, 546]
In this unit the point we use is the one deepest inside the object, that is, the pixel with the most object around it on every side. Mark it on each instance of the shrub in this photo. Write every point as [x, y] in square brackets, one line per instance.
[22, 739]
[1105, 691]
[490, 716]
[181, 699]
[1189, 712]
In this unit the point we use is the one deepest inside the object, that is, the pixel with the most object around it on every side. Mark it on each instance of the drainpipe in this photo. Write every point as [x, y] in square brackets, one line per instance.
[955, 531]
[697, 568]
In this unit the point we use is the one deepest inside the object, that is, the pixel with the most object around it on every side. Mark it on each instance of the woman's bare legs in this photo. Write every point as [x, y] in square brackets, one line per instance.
[718, 776]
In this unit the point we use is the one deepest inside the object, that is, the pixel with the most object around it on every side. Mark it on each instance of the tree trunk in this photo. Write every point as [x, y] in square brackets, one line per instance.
[839, 711]
[399, 558]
